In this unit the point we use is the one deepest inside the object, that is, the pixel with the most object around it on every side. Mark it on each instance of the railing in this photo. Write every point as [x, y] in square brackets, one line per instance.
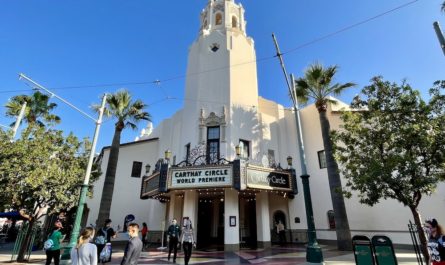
[414, 232]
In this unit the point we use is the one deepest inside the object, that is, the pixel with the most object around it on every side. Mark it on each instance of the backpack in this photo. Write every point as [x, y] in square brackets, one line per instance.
[49, 243]
[101, 238]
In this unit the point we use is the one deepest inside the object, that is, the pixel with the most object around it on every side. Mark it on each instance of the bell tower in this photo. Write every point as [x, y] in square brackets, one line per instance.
[221, 69]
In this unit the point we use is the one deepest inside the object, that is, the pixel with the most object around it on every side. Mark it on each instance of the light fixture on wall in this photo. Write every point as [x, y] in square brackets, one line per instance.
[147, 168]
[238, 150]
[167, 154]
[289, 161]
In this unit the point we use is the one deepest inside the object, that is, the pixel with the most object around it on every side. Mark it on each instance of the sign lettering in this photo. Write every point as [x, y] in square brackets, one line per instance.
[200, 177]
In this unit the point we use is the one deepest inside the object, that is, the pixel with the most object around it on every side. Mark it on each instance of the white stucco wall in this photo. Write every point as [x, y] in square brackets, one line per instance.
[126, 197]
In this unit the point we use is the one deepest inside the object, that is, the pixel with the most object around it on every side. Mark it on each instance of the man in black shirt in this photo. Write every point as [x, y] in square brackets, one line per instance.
[103, 236]
[174, 231]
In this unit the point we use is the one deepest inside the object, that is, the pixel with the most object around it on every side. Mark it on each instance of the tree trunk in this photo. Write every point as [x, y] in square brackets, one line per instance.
[25, 243]
[344, 241]
[110, 176]
[422, 236]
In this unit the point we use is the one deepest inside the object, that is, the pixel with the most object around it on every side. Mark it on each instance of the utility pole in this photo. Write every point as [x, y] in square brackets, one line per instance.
[439, 35]
[17, 122]
[19, 119]
[314, 254]
[84, 189]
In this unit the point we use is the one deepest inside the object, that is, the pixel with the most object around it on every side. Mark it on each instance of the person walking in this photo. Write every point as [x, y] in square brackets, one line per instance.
[188, 240]
[104, 236]
[281, 232]
[174, 231]
[436, 242]
[144, 233]
[134, 246]
[85, 253]
[53, 250]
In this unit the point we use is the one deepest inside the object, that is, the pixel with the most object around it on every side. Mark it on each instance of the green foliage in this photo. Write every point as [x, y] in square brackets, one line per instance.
[37, 108]
[127, 112]
[392, 145]
[318, 84]
[42, 169]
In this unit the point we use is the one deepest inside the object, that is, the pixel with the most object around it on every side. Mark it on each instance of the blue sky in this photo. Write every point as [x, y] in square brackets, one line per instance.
[81, 43]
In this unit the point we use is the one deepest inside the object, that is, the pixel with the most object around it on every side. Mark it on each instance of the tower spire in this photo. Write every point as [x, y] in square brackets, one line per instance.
[222, 15]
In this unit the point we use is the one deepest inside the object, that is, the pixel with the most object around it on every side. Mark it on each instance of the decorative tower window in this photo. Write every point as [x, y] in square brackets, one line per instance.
[218, 19]
[234, 22]
[212, 145]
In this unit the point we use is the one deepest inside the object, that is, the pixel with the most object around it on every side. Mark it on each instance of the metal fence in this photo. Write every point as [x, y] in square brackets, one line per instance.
[414, 232]
[20, 238]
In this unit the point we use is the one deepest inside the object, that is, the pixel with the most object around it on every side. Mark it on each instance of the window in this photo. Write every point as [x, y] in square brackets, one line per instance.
[331, 219]
[218, 19]
[212, 145]
[244, 148]
[271, 157]
[187, 152]
[136, 170]
[322, 159]
[234, 22]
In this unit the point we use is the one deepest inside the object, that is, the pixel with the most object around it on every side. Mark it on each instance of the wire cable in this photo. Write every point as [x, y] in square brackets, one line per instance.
[264, 59]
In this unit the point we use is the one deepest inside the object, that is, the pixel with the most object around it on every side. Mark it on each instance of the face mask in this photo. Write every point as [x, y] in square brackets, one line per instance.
[427, 230]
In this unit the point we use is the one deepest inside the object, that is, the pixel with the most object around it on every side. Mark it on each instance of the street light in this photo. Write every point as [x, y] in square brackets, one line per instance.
[313, 250]
[83, 191]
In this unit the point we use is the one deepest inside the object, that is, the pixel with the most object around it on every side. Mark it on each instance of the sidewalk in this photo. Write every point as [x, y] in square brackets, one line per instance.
[273, 256]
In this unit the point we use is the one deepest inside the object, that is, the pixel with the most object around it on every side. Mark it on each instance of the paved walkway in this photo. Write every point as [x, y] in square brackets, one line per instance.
[272, 256]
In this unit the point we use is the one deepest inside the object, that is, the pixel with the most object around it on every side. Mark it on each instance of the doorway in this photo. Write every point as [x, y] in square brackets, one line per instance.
[248, 229]
[210, 230]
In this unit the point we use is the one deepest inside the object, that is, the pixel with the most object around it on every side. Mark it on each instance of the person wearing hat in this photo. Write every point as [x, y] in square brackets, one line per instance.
[436, 242]
[57, 238]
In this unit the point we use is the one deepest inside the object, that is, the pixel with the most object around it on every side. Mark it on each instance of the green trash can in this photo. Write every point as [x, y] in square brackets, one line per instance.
[362, 250]
[384, 250]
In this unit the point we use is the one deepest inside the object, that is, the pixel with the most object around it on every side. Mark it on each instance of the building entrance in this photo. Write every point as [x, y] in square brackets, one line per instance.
[210, 229]
[248, 229]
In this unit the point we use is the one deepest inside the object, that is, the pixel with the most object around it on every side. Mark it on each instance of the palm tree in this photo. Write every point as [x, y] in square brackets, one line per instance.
[128, 113]
[37, 107]
[317, 84]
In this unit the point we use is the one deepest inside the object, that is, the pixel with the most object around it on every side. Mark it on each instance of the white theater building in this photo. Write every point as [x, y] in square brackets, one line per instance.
[235, 201]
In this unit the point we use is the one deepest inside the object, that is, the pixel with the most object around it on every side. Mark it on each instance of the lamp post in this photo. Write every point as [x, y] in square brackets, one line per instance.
[314, 254]
[84, 190]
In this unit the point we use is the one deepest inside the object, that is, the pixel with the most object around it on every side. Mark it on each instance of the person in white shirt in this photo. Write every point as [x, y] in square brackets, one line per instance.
[85, 253]
[187, 240]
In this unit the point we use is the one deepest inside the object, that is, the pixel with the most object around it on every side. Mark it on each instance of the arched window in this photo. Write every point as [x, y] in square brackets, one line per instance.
[218, 19]
[234, 22]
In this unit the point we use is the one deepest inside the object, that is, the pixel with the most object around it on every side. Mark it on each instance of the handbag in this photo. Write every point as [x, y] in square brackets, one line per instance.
[49, 243]
[105, 254]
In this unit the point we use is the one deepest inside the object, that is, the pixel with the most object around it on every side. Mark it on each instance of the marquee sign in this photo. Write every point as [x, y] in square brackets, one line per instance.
[150, 186]
[265, 178]
[201, 177]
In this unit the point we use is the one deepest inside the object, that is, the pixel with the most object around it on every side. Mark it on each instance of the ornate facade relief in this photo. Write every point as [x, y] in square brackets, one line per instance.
[212, 120]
